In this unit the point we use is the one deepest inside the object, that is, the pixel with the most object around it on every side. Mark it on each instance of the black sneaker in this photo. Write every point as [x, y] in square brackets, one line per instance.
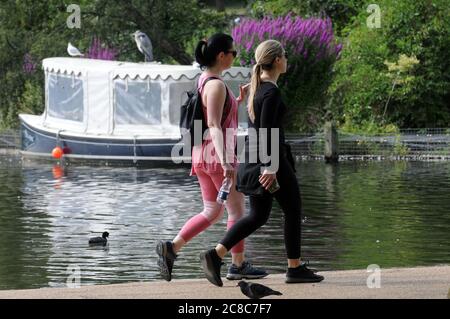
[302, 274]
[166, 259]
[211, 263]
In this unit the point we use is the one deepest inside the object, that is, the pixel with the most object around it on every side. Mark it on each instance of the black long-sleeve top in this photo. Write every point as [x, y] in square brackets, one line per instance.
[269, 113]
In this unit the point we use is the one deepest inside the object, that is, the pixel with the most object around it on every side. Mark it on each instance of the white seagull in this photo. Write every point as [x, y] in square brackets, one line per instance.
[144, 45]
[73, 51]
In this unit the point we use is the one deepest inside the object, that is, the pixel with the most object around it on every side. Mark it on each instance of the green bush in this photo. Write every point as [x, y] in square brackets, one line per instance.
[397, 74]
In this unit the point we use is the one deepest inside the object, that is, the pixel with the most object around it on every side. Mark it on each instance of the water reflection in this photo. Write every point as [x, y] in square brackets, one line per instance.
[356, 214]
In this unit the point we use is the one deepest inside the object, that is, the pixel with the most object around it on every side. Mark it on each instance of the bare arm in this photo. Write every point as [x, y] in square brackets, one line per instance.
[215, 95]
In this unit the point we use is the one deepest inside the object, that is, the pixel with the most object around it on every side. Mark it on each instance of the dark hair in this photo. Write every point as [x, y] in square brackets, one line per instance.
[207, 51]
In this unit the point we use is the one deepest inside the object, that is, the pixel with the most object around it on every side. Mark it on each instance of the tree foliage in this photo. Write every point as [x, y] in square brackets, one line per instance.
[39, 30]
[397, 75]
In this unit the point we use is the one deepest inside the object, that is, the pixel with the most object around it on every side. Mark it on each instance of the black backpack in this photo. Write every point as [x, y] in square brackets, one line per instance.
[192, 110]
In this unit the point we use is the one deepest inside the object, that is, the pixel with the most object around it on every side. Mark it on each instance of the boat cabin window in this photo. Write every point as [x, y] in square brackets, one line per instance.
[137, 102]
[65, 97]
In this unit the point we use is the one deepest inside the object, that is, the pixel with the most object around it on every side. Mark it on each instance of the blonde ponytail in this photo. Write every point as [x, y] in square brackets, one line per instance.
[265, 55]
[256, 80]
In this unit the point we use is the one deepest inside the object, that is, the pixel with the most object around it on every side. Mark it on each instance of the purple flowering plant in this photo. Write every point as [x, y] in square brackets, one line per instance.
[312, 50]
[100, 52]
[307, 39]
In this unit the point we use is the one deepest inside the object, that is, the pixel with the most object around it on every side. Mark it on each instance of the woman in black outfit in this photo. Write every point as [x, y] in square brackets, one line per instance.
[266, 111]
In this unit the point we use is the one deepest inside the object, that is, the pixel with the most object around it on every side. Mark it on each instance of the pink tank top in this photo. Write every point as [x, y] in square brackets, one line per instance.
[204, 156]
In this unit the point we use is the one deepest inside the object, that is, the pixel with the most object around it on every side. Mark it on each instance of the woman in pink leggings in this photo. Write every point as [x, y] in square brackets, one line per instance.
[211, 166]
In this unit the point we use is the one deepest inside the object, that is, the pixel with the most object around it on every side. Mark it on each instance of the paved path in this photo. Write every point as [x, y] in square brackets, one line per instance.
[420, 282]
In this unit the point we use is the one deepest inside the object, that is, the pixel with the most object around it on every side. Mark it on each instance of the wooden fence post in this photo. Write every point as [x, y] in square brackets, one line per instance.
[331, 143]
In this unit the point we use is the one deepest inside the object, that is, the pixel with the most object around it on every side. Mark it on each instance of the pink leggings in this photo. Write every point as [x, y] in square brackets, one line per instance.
[212, 211]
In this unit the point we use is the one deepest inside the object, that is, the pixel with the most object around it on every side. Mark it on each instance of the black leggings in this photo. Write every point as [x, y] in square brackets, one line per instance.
[288, 196]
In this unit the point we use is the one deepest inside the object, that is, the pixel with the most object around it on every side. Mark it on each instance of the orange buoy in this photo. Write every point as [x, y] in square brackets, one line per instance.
[57, 152]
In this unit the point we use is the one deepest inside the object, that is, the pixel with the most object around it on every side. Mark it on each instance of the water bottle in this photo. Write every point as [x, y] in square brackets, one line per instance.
[224, 190]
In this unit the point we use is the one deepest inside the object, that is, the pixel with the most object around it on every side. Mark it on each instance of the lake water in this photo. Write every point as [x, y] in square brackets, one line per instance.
[355, 214]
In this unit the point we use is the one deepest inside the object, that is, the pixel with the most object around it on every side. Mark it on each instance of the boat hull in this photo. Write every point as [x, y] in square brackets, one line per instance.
[39, 143]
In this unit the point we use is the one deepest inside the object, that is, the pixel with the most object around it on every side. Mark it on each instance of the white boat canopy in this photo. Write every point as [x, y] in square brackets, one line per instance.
[120, 99]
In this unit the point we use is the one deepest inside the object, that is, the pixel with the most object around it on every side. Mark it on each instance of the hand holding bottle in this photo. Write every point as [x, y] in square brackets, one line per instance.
[225, 190]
